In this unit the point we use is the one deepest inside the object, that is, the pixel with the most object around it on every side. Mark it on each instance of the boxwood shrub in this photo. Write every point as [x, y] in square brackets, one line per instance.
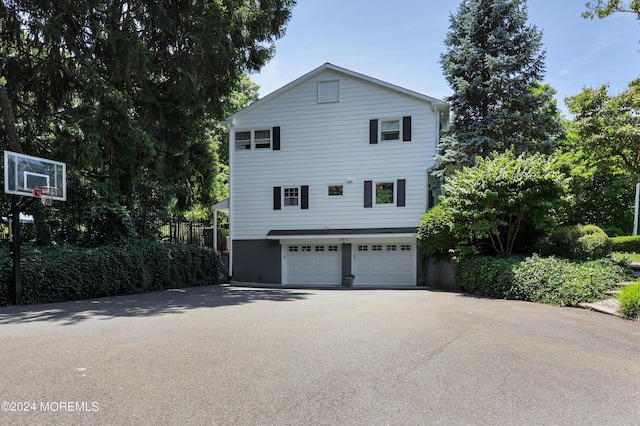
[586, 242]
[549, 280]
[61, 273]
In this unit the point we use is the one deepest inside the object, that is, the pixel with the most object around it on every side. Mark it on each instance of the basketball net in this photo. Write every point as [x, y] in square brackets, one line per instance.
[39, 191]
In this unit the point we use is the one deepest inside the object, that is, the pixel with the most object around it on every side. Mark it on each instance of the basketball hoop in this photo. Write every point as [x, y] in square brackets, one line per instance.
[44, 193]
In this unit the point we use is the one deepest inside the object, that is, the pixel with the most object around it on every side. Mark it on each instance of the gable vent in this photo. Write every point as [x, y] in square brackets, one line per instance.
[328, 91]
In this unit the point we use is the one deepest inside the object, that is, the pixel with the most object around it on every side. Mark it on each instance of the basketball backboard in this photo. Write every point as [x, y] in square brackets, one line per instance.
[34, 177]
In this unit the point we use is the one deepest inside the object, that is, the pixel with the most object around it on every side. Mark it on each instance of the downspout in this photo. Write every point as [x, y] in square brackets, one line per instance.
[230, 126]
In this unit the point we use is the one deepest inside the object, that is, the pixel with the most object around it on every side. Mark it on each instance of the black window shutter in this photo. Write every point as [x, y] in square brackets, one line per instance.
[406, 129]
[277, 192]
[368, 193]
[401, 189]
[373, 131]
[304, 197]
[276, 138]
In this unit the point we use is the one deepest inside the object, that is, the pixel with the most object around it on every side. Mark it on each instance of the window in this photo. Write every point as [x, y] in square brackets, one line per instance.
[333, 248]
[291, 197]
[319, 248]
[263, 139]
[391, 247]
[335, 190]
[243, 141]
[306, 248]
[363, 248]
[258, 139]
[384, 193]
[293, 248]
[405, 247]
[390, 130]
[376, 247]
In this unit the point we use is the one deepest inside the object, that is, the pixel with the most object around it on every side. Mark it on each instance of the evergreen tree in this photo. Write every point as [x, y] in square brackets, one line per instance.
[494, 61]
[127, 92]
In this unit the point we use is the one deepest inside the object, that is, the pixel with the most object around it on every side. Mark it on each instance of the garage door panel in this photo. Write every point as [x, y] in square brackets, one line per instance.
[317, 264]
[384, 264]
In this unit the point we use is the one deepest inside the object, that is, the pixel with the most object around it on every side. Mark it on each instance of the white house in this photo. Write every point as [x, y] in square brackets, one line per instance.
[329, 176]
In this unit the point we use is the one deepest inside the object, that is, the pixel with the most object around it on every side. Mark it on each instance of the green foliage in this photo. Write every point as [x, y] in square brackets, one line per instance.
[492, 202]
[629, 301]
[434, 235]
[108, 223]
[590, 174]
[626, 244]
[60, 273]
[493, 62]
[136, 105]
[586, 242]
[604, 8]
[607, 125]
[549, 280]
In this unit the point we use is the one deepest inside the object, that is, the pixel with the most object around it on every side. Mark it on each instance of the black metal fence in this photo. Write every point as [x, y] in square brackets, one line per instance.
[173, 229]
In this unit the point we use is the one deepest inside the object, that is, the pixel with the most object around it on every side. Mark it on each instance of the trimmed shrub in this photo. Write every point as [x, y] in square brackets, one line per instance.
[629, 300]
[626, 244]
[549, 280]
[434, 235]
[56, 274]
[585, 242]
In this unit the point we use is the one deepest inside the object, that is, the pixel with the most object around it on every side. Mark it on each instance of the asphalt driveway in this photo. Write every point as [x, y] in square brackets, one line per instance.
[250, 356]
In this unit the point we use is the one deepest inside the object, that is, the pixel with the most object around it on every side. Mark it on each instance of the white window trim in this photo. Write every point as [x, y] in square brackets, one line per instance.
[252, 141]
[375, 198]
[297, 206]
[334, 196]
[399, 120]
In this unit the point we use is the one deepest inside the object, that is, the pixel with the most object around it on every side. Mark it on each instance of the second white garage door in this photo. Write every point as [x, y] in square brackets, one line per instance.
[313, 264]
[384, 264]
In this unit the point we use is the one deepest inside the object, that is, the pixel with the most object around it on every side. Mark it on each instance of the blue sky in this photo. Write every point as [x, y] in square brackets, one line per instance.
[400, 42]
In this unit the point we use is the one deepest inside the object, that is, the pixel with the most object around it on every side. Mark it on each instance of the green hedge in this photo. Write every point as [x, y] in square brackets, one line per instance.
[626, 244]
[55, 274]
[549, 280]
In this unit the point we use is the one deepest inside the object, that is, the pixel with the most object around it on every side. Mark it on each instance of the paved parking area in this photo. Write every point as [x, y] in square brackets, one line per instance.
[264, 356]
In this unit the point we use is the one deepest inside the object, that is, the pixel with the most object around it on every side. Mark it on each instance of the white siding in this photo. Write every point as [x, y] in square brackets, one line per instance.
[326, 144]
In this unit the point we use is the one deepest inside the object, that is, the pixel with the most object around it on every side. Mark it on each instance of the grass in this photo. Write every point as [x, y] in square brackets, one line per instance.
[629, 300]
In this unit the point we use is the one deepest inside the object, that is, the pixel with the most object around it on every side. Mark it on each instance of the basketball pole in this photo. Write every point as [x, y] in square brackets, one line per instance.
[14, 247]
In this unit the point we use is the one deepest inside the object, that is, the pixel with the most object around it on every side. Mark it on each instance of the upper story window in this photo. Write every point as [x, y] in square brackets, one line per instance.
[258, 139]
[390, 129]
[262, 139]
[243, 141]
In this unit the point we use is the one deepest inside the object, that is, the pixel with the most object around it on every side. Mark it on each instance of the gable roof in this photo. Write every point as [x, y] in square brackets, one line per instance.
[436, 103]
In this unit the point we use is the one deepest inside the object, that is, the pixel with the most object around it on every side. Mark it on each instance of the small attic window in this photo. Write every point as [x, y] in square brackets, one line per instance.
[328, 91]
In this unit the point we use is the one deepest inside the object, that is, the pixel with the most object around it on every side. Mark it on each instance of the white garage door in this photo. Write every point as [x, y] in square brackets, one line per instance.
[313, 264]
[384, 264]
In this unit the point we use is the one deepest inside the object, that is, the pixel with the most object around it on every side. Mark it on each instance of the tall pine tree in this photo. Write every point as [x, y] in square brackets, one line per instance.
[494, 61]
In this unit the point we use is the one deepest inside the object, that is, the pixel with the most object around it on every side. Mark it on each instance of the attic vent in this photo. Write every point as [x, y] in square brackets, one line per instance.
[328, 91]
